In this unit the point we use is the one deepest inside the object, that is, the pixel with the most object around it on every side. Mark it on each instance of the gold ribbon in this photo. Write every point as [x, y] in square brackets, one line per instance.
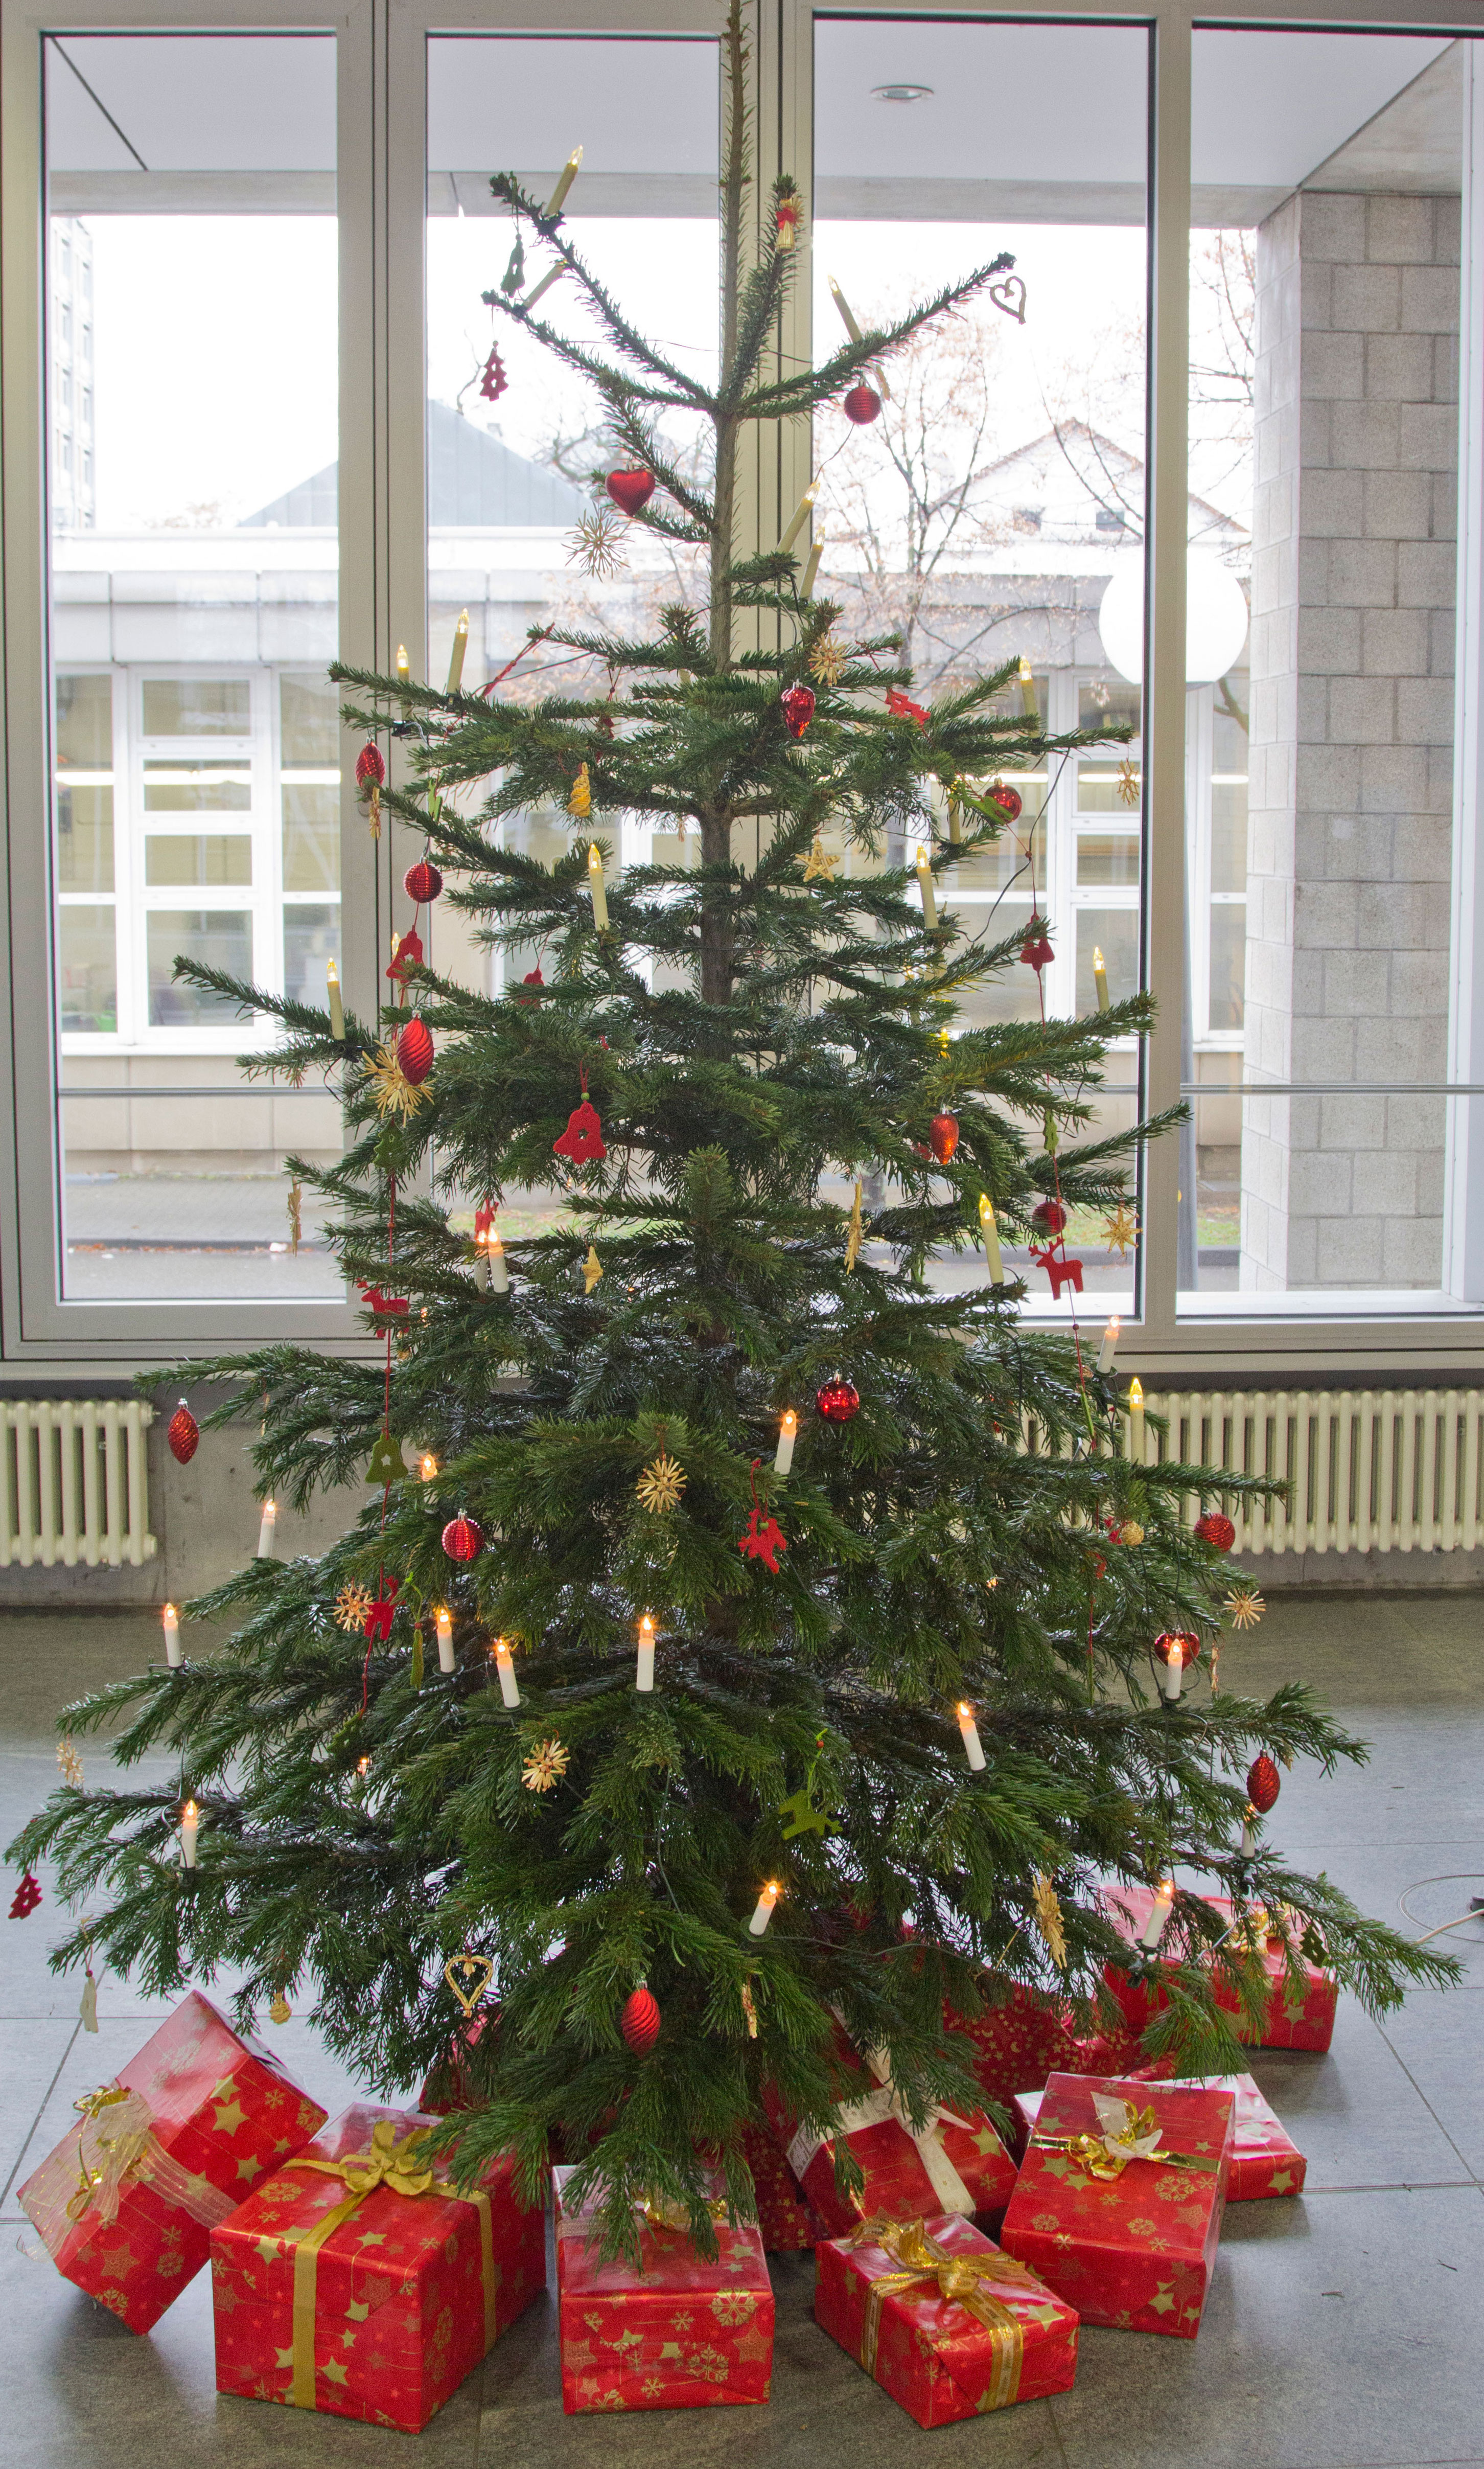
[403, 2170]
[115, 2144]
[1128, 2134]
[962, 2281]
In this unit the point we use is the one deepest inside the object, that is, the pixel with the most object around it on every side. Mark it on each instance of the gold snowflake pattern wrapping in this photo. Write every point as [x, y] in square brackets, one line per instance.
[1121, 1230]
[389, 1085]
[1128, 783]
[594, 546]
[1245, 1608]
[749, 2010]
[660, 1485]
[825, 661]
[854, 1234]
[545, 1766]
[820, 865]
[69, 1762]
[1048, 1919]
[351, 1604]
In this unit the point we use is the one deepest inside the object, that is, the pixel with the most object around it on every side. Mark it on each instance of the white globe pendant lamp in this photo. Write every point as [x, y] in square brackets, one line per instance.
[1216, 619]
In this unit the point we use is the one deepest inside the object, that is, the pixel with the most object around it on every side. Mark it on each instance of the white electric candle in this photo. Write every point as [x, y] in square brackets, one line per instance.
[765, 1910]
[336, 1006]
[1248, 1831]
[1028, 691]
[265, 1531]
[1175, 1672]
[442, 1621]
[481, 1267]
[404, 664]
[569, 172]
[787, 1433]
[1136, 1422]
[799, 517]
[1109, 1345]
[1158, 1920]
[644, 1678]
[190, 1824]
[171, 1619]
[973, 1748]
[504, 1665]
[988, 1235]
[811, 569]
[544, 286]
[456, 655]
[595, 885]
[499, 1266]
[1100, 977]
[924, 884]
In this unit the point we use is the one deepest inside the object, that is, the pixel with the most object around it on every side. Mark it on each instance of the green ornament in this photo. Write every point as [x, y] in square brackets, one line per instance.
[417, 1656]
[386, 1460]
[804, 1818]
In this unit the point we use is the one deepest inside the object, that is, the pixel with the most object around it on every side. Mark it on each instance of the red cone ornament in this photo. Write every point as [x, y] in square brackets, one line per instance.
[462, 1538]
[370, 768]
[414, 1052]
[1215, 1530]
[1048, 1217]
[1263, 1783]
[1008, 801]
[422, 880]
[639, 2021]
[184, 1435]
[943, 1132]
[631, 490]
[837, 1400]
[862, 405]
[798, 708]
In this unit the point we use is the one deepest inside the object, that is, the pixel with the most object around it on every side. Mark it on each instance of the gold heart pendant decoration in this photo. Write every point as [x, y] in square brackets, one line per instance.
[479, 1967]
[1009, 295]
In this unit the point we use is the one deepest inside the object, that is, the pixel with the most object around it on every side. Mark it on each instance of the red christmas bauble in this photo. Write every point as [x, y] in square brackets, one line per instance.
[837, 1400]
[639, 2021]
[1048, 1217]
[1008, 801]
[798, 708]
[1215, 1530]
[370, 768]
[462, 1538]
[414, 1052]
[1263, 1783]
[422, 881]
[631, 490]
[1177, 1645]
[184, 1435]
[862, 405]
[943, 1131]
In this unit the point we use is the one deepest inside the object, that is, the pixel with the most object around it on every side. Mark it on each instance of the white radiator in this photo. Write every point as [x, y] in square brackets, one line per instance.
[72, 1483]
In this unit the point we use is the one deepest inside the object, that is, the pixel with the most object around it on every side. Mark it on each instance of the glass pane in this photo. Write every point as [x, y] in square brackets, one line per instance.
[219, 857]
[84, 838]
[197, 707]
[309, 723]
[215, 938]
[311, 938]
[89, 977]
[311, 839]
[1115, 934]
[1229, 962]
[198, 788]
[1108, 856]
[84, 723]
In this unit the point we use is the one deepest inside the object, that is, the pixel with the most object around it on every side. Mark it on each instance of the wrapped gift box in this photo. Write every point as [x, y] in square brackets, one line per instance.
[356, 2282]
[1020, 2044]
[1300, 2015]
[1262, 2160]
[942, 2319]
[787, 2221]
[127, 2202]
[955, 2163]
[1118, 2204]
[672, 2331]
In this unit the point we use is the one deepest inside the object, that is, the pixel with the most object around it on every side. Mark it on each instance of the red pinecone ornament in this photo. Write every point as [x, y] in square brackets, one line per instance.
[1215, 1530]
[1263, 1783]
[862, 405]
[639, 2021]
[631, 490]
[184, 1435]
[943, 1132]
[1048, 1217]
[1008, 801]
[798, 708]
[582, 1139]
[370, 768]
[422, 880]
[462, 1538]
[414, 1052]
[837, 1400]
[27, 1894]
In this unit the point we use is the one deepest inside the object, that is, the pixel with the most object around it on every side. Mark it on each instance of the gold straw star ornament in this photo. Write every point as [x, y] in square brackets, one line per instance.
[351, 1604]
[660, 1485]
[545, 1766]
[1121, 1230]
[592, 1268]
[391, 1089]
[819, 867]
[1245, 1609]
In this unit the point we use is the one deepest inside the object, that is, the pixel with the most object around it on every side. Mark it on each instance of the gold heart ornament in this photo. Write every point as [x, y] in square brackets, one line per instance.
[1009, 295]
[479, 1967]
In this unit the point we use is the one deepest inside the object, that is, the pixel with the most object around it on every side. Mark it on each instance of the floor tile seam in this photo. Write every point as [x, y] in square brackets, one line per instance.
[1399, 2186]
[1421, 2094]
[1051, 2411]
[26, 2139]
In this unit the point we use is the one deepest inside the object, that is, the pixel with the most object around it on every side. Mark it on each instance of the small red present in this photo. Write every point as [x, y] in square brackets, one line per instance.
[1120, 2197]
[1018, 2044]
[787, 2221]
[357, 2282]
[127, 2202]
[672, 2331]
[1264, 2161]
[953, 2163]
[1300, 2012]
[942, 2319]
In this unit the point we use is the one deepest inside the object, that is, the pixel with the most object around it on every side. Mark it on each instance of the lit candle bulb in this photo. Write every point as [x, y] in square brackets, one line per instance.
[1248, 1831]
[1109, 1345]
[1136, 1422]
[403, 666]
[644, 1678]
[799, 517]
[596, 886]
[504, 1665]
[336, 1006]
[924, 884]
[1175, 1668]
[969, 1730]
[956, 819]
[1027, 690]
[569, 172]
[265, 1530]
[363, 1768]
[1158, 1920]
[499, 1266]
[171, 1622]
[190, 1825]
[765, 1910]
[481, 1266]
[442, 1621]
[811, 569]
[787, 1433]
[427, 1466]
[1100, 978]
[988, 1235]
[456, 655]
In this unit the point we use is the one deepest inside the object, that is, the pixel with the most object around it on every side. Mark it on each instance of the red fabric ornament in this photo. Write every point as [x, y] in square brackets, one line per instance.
[837, 1400]
[377, 1302]
[582, 1139]
[862, 405]
[1062, 1273]
[408, 955]
[1036, 952]
[27, 1894]
[1008, 801]
[1172, 1641]
[785, 222]
[422, 881]
[761, 1541]
[377, 1623]
[1264, 1784]
[370, 768]
[532, 978]
[464, 1538]
[494, 381]
[943, 1131]
[1215, 1530]
[1048, 1217]
[414, 1052]
[903, 708]
[184, 1435]
[639, 2021]
[798, 708]
[631, 490]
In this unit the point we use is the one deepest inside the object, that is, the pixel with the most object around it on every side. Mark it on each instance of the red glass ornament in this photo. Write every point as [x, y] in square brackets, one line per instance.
[1008, 801]
[184, 1435]
[631, 490]
[798, 708]
[639, 2021]
[862, 405]
[837, 1400]
[370, 768]
[1173, 1645]
[422, 880]
[1215, 1530]
[1264, 1784]
[943, 1131]
[582, 1139]
[463, 1540]
[414, 1052]
[1048, 1217]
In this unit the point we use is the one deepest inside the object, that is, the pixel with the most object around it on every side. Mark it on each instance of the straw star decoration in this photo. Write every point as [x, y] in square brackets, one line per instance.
[545, 1766]
[1128, 783]
[660, 1485]
[351, 1604]
[389, 1085]
[818, 867]
[853, 1237]
[1245, 1609]
[69, 1762]
[1048, 1919]
[825, 661]
[595, 544]
[1121, 1230]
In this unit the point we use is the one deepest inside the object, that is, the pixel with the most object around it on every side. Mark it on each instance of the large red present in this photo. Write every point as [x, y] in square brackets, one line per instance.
[127, 2202]
[1263, 2162]
[942, 2319]
[1120, 2197]
[1300, 2012]
[357, 2282]
[672, 2331]
[952, 2163]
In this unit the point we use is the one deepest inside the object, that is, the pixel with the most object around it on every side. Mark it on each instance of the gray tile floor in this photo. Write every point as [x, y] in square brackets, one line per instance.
[1343, 2331]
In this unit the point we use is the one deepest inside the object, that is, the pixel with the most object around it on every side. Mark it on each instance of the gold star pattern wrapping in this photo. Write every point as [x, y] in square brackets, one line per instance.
[545, 1766]
[660, 1485]
[1245, 1607]
[825, 661]
[389, 1085]
[595, 547]
[579, 804]
[1048, 1918]
[853, 1236]
[1128, 783]
[1121, 1230]
[351, 1604]
[592, 1268]
[69, 1762]
[819, 866]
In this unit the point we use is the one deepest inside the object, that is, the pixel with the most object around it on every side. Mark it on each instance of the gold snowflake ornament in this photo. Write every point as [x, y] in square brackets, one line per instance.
[660, 1485]
[819, 866]
[389, 1087]
[351, 1604]
[545, 1766]
[594, 546]
[1048, 1919]
[1244, 1609]
[69, 1762]
[825, 661]
[1129, 790]
[1121, 1230]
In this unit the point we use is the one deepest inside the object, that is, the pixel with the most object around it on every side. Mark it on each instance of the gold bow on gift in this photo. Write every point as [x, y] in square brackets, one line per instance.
[963, 2280]
[116, 2145]
[1128, 2134]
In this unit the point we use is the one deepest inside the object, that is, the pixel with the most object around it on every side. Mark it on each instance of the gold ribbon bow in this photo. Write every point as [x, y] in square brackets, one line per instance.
[963, 2280]
[402, 2169]
[1128, 2134]
[116, 2146]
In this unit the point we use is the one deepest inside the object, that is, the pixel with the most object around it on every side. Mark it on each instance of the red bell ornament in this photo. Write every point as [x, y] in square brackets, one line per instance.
[464, 1538]
[862, 405]
[1036, 952]
[422, 881]
[837, 1400]
[414, 1052]
[798, 708]
[1263, 1783]
[640, 2021]
[582, 1141]
[184, 1435]
[943, 1132]
[631, 490]
[1215, 1530]
[1048, 1217]
[1008, 801]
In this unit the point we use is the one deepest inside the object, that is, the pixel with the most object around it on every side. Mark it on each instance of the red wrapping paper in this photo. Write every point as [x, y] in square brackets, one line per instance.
[935, 2356]
[1263, 2162]
[674, 2332]
[1135, 2251]
[787, 2221]
[1018, 2045]
[383, 2318]
[1298, 2018]
[211, 2111]
[957, 2164]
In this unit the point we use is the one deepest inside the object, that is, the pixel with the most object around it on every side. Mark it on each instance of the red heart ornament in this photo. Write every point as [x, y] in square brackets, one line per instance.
[631, 490]
[582, 1139]
[414, 1052]
[184, 1435]
[1176, 1645]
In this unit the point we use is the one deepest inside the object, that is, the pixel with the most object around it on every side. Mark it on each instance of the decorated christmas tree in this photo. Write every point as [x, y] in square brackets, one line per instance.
[745, 1636]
